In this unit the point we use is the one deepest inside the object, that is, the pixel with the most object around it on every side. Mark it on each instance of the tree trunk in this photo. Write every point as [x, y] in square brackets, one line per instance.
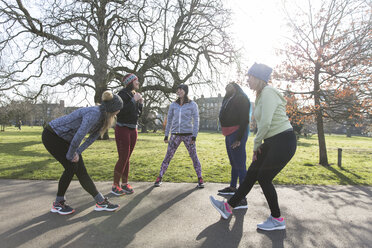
[144, 128]
[348, 131]
[323, 159]
[100, 88]
[100, 77]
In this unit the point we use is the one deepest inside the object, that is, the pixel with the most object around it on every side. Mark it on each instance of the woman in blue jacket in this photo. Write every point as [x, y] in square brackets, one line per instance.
[183, 123]
[62, 138]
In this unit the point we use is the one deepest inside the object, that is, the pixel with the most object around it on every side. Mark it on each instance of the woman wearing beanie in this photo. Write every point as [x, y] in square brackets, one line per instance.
[183, 123]
[234, 118]
[126, 133]
[270, 157]
[62, 138]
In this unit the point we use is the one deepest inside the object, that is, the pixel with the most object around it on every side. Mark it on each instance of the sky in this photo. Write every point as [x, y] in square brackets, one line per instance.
[258, 26]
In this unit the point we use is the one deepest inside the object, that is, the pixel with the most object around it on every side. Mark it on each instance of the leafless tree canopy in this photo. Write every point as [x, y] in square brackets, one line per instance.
[90, 44]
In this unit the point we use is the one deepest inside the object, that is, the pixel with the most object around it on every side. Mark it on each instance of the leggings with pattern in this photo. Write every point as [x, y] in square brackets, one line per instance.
[174, 142]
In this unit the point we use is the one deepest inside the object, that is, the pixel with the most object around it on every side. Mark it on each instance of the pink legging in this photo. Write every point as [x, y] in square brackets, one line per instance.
[125, 141]
[173, 144]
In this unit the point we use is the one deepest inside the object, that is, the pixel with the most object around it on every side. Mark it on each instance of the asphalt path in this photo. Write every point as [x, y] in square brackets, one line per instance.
[179, 215]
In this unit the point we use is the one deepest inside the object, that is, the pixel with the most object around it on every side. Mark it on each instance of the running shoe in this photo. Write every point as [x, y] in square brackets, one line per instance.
[242, 204]
[61, 208]
[227, 191]
[106, 206]
[221, 206]
[127, 188]
[158, 182]
[200, 183]
[116, 190]
[272, 224]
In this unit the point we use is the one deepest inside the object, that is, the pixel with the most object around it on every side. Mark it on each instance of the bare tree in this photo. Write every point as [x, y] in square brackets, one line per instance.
[18, 110]
[89, 44]
[178, 42]
[330, 51]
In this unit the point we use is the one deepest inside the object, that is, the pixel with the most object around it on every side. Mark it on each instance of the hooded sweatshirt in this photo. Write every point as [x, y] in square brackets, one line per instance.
[270, 115]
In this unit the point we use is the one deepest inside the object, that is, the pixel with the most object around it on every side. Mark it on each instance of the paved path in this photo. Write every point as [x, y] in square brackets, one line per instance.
[178, 215]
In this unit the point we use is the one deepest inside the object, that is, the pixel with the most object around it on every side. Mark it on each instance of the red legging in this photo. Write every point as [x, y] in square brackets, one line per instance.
[125, 141]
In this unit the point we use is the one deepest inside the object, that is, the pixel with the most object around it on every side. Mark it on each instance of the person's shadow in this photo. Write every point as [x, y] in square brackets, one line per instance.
[219, 233]
[276, 237]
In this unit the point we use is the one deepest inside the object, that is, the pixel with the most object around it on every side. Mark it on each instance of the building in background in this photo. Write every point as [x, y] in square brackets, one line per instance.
[45, 112]
[209, 109]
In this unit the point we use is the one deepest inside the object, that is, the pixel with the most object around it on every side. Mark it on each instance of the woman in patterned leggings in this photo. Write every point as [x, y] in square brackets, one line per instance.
[183, 122]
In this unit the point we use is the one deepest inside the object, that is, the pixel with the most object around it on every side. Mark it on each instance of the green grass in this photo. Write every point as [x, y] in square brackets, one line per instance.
[23, 156]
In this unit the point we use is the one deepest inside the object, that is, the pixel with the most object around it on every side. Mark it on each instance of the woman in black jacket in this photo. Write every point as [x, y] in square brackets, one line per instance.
[126, 133]
[234, 118]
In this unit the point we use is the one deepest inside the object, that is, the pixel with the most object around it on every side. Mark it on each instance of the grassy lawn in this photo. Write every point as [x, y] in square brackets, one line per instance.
[23, 156]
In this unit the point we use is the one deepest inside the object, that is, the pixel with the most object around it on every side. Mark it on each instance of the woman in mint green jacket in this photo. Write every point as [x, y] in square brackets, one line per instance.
[274, 146]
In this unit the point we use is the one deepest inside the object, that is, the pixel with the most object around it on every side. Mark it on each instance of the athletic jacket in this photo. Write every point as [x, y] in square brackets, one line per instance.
[235, 111]
[270, 114]
[131, 111]
[183, 119]
[75, 126]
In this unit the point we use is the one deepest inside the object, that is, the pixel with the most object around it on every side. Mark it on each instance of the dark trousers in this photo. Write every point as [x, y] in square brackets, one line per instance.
[237, 157]
[276, 152]
[126, 139]
[58, 147]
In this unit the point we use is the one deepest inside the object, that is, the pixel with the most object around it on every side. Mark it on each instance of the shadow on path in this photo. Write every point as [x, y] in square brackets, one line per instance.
[111, 232]
[219, 233]
[276, 237]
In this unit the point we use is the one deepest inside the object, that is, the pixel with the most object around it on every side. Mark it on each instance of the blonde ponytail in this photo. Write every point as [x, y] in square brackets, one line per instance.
[107, 98]
[108, 122]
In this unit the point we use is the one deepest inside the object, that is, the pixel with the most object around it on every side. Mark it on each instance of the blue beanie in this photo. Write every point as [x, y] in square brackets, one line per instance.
[260, 71]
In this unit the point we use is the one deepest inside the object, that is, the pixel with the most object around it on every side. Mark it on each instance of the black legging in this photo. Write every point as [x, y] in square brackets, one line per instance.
[276, 152]
[58, 147]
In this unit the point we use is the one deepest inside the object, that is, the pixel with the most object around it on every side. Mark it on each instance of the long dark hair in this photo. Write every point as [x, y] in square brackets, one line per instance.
[130, 87]
[231, 95]
[186, 99]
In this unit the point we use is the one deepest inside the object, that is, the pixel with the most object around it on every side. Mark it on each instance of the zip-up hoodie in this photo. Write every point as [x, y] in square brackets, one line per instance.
[75, 126]
[183, 119]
